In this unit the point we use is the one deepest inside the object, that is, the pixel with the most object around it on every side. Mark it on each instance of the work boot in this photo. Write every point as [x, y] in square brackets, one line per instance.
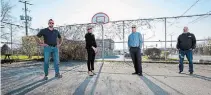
[58, 75]
[45, 78]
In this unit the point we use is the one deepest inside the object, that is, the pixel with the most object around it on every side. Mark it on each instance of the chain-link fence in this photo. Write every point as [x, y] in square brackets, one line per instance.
[12, 41]
[160, 33]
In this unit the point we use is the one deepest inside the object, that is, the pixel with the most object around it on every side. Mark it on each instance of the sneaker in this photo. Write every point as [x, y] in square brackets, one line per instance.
[45, 78]
[90, 73]
[180, 72]
[93, 72]
[191, 73]
[58, 75]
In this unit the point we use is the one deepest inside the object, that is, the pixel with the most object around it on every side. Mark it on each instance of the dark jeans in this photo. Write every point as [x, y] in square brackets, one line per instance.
[91, 58]
[189, 56]
[135, 53]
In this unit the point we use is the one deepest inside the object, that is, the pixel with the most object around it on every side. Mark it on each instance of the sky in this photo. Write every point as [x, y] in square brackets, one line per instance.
[67, 12]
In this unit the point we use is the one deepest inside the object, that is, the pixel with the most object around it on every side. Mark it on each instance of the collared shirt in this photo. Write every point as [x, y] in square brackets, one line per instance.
[135, 40]
[50, 36]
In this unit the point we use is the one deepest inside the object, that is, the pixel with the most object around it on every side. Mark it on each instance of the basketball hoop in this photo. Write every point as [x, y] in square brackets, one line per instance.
[100, 18]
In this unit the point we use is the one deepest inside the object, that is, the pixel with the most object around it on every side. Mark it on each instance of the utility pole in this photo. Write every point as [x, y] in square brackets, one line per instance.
[26, 18]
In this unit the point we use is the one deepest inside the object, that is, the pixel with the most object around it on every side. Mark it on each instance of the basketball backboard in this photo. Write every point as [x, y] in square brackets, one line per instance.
[100, 18]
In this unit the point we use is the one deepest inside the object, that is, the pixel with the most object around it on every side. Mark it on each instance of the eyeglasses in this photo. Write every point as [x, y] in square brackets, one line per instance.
[133, 27]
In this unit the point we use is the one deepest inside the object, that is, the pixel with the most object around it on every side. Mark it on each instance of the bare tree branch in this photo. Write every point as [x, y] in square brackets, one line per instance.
[6, 8]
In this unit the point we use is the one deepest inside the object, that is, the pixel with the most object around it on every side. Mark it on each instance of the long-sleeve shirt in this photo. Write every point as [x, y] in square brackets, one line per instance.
[135, 40]
[90, 40]
[186, 41]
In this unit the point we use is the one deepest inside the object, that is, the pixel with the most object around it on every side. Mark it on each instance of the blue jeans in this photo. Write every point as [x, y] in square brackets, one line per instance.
[47, 52]
[189, 56]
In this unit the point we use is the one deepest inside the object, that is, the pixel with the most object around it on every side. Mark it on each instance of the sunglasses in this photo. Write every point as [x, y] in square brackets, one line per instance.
[89, 29]
[51, 23]
[133, 27]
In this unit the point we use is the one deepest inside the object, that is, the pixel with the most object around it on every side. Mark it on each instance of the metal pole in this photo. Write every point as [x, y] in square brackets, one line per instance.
[26, 19]
[11, 38]
[165, 39]
[38, 47]
[103, 42]
[124, 39]
[143, 43]
[171, 46]
[171, 42]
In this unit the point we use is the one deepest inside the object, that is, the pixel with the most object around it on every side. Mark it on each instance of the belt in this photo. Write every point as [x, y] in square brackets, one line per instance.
[52, 45]
[134, 47]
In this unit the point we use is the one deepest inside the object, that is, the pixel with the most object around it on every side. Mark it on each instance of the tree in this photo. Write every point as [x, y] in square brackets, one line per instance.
[6, 8]
[30, 46]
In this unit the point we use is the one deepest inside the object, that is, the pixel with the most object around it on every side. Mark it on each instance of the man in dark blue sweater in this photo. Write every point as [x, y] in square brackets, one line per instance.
[185, 44]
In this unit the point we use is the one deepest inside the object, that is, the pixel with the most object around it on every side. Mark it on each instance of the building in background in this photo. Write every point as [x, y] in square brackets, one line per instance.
[108, 45]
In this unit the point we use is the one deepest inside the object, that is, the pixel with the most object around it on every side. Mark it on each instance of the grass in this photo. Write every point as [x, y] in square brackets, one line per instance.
[21, 57]
[144, 58]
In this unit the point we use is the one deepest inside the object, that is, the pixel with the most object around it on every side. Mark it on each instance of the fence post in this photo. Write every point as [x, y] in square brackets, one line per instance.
[11, 38]
[165, 42]
[124, 40]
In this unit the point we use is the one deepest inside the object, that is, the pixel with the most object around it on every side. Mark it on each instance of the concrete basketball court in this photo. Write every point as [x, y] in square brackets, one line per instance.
[113, 78]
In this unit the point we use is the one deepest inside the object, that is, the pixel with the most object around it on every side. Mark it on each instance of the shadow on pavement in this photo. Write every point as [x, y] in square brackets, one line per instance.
[117, 73]
[101, 72]
[22, 65]
[31, 86]
[74, 64]
[170, 76]
[27, 88]
[109, 57]
[157, 90]
[81, 89]
[165, 85]
[200, 77]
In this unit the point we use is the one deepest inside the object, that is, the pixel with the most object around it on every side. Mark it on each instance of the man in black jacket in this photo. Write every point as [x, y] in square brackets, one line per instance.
[185, 44]
[91, 50]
